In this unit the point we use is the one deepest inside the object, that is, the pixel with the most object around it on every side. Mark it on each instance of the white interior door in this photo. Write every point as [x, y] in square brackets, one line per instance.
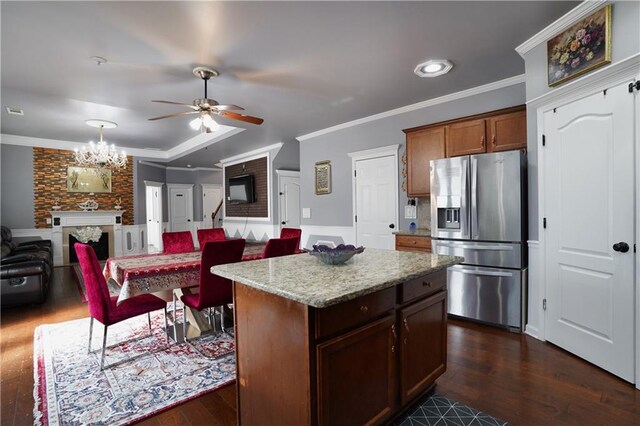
[376, 202]
[589, 208]
[289, 208]
[153, 196]
[180, 208]
[211, 198]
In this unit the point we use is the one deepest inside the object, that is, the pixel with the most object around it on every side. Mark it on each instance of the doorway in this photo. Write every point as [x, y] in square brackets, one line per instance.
[212, 195]
[289, 198]
[180, 207]
[153, 197]
[589, 208]
[375, 196]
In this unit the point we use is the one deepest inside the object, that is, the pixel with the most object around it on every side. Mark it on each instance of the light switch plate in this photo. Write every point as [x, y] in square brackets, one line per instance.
[410, 212]
[306, 213]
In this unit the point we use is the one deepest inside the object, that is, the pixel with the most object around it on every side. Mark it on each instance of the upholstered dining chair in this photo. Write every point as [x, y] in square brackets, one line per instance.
[102, 306]
[206, 235]
[292, 233]
[177, 242]
[275, 247]
[213, 290]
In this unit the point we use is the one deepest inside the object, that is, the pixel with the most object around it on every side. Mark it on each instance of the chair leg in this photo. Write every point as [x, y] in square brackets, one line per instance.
[104, 348]
[166, 327]
[222, 319]
[184, 322]
[90, 333]
[149, 318]
[175, 317]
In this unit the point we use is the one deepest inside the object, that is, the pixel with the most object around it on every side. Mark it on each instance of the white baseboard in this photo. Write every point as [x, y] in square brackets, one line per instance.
[535, 313]
[312, 234]
[532, 331]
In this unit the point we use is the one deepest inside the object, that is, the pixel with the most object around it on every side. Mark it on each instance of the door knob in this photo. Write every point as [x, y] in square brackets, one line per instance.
[622, 247]
[391, 225]
[188, 220]
[283, 223]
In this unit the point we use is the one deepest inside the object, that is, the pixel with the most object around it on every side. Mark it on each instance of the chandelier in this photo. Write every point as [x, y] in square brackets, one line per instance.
[100, 154]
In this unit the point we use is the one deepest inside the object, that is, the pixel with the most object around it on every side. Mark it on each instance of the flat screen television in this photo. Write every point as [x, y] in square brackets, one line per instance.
[241, 190]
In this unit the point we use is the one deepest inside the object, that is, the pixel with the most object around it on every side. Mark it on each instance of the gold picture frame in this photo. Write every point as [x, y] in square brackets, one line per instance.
[581, 48]
[88, 179]
[323, 177]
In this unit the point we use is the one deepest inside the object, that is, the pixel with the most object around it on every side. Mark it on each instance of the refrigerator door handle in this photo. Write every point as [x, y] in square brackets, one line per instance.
[477, 247]
[474, 198]
[464, 215]
[484, 273]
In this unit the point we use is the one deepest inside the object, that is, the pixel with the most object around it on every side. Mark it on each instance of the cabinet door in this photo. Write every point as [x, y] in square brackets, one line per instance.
[507, 131]
[422, 147]
[356, 375]
[466, 137]
[423, 345]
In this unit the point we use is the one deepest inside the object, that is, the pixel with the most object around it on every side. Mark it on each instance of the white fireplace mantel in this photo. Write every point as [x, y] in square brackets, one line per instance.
[75, 218]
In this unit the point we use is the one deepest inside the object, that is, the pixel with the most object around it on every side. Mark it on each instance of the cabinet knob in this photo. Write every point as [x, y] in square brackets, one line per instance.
[364, 309]
[413, 242]
[406, 325]
[426, 284]
[482, 141]
[495, 143]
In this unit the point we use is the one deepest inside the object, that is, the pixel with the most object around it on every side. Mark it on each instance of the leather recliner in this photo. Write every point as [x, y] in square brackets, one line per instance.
[25, 270]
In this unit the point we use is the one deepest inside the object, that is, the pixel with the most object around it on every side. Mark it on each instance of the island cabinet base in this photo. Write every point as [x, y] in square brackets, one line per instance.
[359, 362]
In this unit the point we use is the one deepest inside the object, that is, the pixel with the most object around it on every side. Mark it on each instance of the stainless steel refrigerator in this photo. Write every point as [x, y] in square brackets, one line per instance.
[478, 211]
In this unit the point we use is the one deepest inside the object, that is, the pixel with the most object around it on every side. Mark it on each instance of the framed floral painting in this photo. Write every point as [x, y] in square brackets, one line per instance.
[581, 48]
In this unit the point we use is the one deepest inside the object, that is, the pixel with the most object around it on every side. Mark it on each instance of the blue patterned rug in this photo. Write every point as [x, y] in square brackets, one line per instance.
[440, 411]
[70, 389]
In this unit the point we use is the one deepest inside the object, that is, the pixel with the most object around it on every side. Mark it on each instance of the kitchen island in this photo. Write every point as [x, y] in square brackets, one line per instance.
[328, 345]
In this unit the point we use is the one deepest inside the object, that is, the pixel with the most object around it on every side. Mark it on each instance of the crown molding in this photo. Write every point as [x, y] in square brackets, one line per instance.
[511, 81]
[195, 143]
[582, 10]
[250, 155]
[184, 169]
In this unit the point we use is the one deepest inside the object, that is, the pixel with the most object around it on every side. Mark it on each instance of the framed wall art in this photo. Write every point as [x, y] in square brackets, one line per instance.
[584, 46]
[88, 179]
[323, 177]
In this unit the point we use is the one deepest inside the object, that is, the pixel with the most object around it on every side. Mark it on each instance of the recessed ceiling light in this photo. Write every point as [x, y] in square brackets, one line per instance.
[14, 111]
[433, 68]
[99, 60]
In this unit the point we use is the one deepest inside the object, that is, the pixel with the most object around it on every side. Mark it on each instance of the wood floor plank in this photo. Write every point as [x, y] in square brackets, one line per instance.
[511, 376]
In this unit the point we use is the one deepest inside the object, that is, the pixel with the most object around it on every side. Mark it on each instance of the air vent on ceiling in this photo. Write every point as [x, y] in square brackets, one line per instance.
[15, 111]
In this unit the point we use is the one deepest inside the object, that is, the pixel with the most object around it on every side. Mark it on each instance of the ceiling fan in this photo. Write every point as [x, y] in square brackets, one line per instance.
[206, 108]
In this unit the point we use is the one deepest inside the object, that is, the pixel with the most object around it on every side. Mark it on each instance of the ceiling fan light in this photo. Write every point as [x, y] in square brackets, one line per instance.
[195, 123]
[209, 122]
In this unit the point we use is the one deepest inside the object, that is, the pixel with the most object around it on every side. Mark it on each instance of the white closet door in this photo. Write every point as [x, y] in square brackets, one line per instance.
[589, 210]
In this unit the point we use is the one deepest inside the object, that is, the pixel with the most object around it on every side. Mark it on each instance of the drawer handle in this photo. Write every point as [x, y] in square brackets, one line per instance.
[413, 242]
[426, 284]
[364, 309]
[406, 325]
[393, 330]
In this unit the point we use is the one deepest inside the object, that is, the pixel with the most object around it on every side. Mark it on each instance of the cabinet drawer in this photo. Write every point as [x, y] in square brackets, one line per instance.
[413, 242]
[424, 286]
[357, 311]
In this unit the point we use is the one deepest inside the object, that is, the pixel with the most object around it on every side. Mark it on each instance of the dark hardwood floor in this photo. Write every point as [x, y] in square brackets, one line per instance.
[514, 377]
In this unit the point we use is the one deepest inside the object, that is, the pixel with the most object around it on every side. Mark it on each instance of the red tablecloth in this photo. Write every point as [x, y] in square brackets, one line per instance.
[150, 273]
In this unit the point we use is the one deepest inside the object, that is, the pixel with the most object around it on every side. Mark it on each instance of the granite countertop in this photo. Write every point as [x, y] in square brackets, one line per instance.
[304, 279]
[419, 232]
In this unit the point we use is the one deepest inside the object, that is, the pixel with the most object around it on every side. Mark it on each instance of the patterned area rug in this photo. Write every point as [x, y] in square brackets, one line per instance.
[441, 411]
[70, 389]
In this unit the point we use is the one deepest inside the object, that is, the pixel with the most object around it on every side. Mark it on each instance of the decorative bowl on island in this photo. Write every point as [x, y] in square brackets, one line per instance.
[335, 256]
[88, 206]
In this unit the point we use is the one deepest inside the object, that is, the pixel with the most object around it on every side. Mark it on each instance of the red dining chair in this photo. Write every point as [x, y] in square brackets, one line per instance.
[177, 242]
[102, 306]
[292, 233]
[275, 247]
[213, 289]
[206, 235]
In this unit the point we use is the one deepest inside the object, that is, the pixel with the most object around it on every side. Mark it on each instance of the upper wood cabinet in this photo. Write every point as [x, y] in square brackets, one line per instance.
[501, 130]
[422, 147]
[507, 131]
[466, 137]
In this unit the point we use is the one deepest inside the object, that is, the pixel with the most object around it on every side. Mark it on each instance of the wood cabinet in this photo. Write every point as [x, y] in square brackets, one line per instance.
[465, 138]
[507, 131]
[413, 243]
[501, 130]
[356, 367]
[359, 362]
[422, 147]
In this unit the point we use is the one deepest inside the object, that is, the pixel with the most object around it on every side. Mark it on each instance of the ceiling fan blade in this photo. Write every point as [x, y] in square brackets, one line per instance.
[177, 103]
[177, 114]
[240, 117]
[227, 107]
